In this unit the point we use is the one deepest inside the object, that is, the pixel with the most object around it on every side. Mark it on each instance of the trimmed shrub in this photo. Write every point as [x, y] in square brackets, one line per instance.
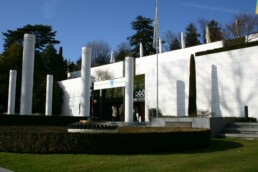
[38, 141]
[35, 120]
[192, 107]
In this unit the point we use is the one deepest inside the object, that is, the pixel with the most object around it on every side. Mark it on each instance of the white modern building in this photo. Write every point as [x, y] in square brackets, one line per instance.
[225, 81]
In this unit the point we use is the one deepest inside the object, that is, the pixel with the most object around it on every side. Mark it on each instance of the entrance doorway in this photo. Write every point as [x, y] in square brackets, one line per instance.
[139, 108]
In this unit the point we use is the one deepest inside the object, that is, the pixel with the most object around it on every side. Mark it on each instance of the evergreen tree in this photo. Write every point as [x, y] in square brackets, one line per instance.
[214, 28]
[175, 44]
[143, 33]
[53, 62]
[192, 107]
[123, 51]
[47, 61]
[191, 36]
[215, 31]
[43, 34]
[11, 59]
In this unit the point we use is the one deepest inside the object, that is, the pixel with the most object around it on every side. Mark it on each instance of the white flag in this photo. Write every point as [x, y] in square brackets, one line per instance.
[156, 26]
[207, 35]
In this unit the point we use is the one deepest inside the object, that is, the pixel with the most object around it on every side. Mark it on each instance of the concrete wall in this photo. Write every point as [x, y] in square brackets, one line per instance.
[216, 125]
[173, 78]
[72, 87]
[226, 81]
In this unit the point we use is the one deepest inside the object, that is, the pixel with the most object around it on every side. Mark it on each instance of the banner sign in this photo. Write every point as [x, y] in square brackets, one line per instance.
[114, 83]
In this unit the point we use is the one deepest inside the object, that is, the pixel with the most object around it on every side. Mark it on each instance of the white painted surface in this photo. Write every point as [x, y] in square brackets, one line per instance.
[49, 93]
[12, 92]
[129, 73]
[226, 81]
[85, 82]
[114, 83]
[182, 40]
[160, 46]
[27, 74]
[141, 50]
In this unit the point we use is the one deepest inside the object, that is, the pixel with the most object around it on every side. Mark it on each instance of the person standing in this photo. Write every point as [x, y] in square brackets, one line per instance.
[114, 113]
[121, 113]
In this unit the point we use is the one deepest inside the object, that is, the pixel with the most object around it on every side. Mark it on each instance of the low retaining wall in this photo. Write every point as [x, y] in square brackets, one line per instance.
[216, 125]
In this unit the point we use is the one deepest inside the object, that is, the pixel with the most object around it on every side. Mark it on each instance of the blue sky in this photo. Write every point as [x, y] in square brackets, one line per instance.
[80, 21]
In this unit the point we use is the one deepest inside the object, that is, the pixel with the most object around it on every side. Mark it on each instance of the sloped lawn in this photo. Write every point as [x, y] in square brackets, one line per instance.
[223, 155]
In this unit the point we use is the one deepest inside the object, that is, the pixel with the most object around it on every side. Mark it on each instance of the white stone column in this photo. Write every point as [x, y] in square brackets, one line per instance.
[141, 50]
[129, 72]
[160, 46]
[11, 92]
[49, 95]
[85, 81]
[27, 74]
[182, 40]
[112, 57]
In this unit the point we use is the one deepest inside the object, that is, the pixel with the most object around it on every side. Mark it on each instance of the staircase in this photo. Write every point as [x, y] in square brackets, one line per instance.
[248, 130]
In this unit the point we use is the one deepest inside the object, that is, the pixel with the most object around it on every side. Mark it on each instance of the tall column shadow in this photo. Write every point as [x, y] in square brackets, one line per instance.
[180, 88]
[215, 96]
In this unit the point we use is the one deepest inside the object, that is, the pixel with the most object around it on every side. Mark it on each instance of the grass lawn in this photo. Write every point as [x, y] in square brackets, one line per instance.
[223, 155]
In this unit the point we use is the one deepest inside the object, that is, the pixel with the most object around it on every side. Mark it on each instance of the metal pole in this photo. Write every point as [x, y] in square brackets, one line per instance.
[246, 113]
[157, 110]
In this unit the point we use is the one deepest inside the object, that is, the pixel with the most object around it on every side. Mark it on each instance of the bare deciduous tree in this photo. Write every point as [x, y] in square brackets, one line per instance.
[100, 52]
[172, 41]
[102, 75]
[242, 25]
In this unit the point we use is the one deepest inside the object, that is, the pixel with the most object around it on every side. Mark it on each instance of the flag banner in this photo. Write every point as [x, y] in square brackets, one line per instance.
[257, 7]
[156, 22]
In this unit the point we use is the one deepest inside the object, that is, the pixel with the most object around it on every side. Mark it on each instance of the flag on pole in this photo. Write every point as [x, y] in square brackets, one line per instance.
[156, 26]
[257, 7]
[207, 35]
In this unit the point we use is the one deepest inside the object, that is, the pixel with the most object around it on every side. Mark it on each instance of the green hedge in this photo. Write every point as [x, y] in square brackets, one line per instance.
[228, 47]
[23, 141]
[36, 120]
[243, 119]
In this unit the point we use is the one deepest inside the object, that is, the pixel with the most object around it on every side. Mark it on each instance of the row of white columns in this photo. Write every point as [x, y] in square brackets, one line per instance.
[27, 81]
[12, 92]
[86, 83]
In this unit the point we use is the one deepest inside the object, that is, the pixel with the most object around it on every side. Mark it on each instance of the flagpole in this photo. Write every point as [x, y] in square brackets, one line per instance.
[157, 55]
[155, 45]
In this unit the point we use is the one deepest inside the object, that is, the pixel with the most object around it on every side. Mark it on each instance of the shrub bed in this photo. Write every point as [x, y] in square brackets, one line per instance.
[229, 45]
[33, 140]
[36, 120]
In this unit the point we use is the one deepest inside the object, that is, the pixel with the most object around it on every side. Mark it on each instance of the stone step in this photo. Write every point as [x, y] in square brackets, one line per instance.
[237, 129]
[245, 124]
[237, 135]
[241, 130]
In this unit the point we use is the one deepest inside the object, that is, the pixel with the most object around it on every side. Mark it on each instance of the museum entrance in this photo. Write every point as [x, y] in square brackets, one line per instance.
[111, 94]
[139, 105]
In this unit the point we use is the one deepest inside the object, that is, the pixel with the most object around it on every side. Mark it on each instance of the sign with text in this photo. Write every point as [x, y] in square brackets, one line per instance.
[120, 82]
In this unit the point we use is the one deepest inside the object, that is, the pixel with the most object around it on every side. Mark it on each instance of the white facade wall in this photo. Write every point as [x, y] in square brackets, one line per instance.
[72, 88]
[173, 78]
[227, 81]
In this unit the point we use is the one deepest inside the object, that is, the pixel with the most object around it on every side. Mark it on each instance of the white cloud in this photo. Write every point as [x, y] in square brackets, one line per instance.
[50, 8]
[226, 10]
